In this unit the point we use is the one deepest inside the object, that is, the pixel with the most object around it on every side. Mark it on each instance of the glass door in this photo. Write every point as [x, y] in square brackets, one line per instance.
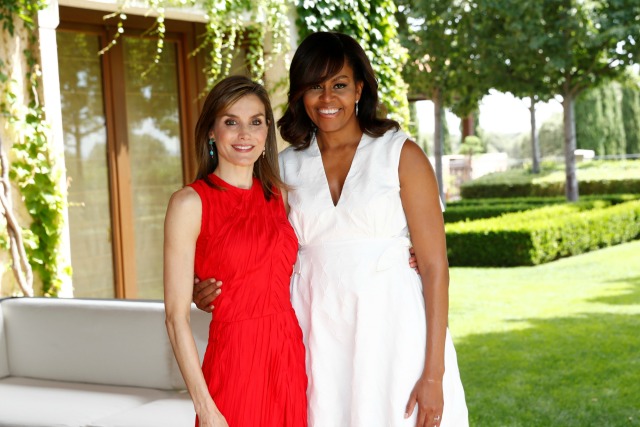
[123, 138]
[153, 123]
[85, 151]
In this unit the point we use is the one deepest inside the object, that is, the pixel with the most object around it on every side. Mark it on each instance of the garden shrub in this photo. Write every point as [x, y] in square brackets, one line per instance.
[472, 209]
[542, 235]
[473, 190]
[594, 177]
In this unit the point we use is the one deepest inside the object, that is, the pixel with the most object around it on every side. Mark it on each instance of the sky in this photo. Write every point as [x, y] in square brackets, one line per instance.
[499, 113]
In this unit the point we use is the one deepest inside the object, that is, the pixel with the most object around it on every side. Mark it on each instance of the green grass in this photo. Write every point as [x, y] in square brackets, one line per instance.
[553, 172]
[552, 345]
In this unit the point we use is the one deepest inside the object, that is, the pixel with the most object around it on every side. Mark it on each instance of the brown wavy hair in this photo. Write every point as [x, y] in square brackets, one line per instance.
[224, 94]
[319, 57]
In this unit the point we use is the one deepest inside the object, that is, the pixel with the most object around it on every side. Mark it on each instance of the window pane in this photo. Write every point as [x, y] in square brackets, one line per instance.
[85, 142]
[153, 120]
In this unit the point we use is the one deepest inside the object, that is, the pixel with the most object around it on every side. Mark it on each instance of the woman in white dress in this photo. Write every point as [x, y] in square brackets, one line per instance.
[378, 350]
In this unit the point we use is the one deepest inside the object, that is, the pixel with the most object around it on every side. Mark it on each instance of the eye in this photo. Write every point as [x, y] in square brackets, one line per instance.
[340, 85]
[256, 122]
[315, 87]
[230, 122]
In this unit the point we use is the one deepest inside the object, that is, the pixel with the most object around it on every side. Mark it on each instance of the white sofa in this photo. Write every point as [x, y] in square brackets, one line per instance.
[91, 363]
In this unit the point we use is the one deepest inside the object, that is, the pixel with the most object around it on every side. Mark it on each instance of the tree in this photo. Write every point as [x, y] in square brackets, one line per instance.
[631, 117]
[470, 146]
[562, 47]
[587, 42]
[442, 66]
[510, 61]
[589, 121]
[550, 137]
[600, 123]
[551, 134]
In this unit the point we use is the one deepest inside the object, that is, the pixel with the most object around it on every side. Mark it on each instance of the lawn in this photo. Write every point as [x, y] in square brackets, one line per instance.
[554, 172]
[552, 345]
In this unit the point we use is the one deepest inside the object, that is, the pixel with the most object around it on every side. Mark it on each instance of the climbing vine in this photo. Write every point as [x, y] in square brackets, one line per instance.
[372, 23]
[229, 23]
[33, 168]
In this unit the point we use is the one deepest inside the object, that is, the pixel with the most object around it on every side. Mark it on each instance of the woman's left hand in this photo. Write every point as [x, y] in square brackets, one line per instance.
[428, 395]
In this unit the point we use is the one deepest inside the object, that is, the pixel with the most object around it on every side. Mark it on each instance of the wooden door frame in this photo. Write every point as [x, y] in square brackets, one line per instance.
[191, 84]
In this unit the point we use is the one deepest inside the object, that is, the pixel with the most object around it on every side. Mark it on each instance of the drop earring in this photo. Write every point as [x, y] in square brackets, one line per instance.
[357, 107]
[212, 147]
[264, 153]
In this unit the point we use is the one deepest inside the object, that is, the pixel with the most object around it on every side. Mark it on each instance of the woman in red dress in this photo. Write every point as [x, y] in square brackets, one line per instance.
[231, 224]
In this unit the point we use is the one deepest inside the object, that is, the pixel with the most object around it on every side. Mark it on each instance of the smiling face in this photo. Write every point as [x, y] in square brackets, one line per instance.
[240, 133]
[331, 103]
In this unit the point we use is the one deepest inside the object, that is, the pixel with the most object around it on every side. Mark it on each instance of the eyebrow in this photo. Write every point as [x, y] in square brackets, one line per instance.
[235, 117]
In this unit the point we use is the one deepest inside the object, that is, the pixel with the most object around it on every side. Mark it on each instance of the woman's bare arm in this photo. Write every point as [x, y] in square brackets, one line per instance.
[182, 226]
[421, 204]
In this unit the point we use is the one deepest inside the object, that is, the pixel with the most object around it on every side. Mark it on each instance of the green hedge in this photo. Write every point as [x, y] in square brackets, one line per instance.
[472, 209]
[477, 190]
[542, 235]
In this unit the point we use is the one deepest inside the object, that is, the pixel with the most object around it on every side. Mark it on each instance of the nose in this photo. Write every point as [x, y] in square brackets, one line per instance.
[244, 131]
[326, 94]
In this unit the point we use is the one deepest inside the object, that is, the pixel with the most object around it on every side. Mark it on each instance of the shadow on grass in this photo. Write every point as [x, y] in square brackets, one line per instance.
[631, 297]
[570, 372]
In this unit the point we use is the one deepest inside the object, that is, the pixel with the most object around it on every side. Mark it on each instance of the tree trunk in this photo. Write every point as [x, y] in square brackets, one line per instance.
[571, 183]
[535, 143]
[438, 141]
[19, 262]
[468, 126]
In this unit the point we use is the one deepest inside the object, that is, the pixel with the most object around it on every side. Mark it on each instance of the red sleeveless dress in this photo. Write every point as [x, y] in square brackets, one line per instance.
[254, 362]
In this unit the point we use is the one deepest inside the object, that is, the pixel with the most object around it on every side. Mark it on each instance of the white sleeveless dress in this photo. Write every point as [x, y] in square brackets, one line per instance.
[359, 304]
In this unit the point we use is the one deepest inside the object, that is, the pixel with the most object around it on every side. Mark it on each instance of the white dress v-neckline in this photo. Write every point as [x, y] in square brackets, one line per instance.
[314, 143]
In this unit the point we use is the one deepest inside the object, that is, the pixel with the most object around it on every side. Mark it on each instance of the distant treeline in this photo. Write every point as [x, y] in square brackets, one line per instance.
[608, 119]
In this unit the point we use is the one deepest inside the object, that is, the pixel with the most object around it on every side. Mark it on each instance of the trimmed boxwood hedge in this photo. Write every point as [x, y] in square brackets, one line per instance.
[542, 235]
[472, 209]
[476, 190]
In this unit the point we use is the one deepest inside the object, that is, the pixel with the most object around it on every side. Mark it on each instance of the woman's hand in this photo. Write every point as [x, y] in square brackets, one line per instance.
[205, 292]
[214, 419]
[413, 261]
[428, 395]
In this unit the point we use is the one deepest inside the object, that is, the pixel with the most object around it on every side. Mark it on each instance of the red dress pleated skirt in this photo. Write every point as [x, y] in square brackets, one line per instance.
[254, 362]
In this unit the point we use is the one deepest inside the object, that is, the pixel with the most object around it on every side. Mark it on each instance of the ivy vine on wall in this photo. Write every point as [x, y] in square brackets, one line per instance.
[372, 23]
[33, 168]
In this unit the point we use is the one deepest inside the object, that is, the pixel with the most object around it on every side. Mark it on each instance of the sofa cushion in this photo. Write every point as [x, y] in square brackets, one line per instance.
[4, 364]
[112, 342]
[31, 402]
[174, 412]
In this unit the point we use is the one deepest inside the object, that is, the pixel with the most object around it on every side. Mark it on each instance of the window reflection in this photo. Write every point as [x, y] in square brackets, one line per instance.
[85, 143]
[153, 121]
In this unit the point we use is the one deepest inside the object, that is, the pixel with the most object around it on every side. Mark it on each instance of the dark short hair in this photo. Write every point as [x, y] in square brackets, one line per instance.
[319, 57]
[223, 95]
